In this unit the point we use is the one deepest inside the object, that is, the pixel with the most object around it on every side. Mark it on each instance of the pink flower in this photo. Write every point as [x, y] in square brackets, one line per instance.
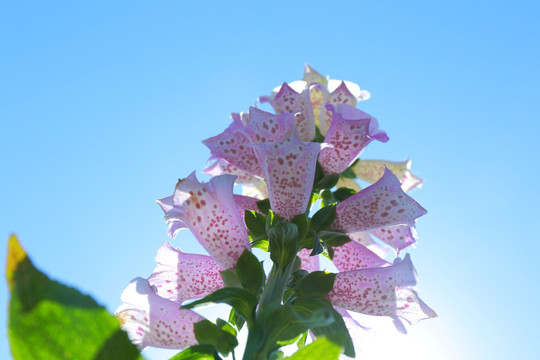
[308, 263]
[181, 276]
[350, 132]
[210, 211]
[354, 256]
[380, 205]
[151, 320]
[383, 291]
[289, 168]
[372, 170]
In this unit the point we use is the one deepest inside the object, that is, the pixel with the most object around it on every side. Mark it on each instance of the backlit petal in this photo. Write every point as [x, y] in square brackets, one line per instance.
[380, 205]
[350, 132]
[151, 320]
[372, 170]
[354, 256]
[181, 276]
[289, 167]
[210, 211]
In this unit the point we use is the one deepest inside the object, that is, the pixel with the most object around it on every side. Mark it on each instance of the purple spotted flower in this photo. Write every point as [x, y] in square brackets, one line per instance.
[210, 211]
[380, 205]
[382, 291]
[151, 320]
[289, 167]
[350, 132]
[181, 276]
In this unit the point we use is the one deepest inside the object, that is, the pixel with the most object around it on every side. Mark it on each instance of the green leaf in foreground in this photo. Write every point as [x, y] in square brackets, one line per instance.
[320, 349]
[197, 352]
[209, 333]
[48, 320]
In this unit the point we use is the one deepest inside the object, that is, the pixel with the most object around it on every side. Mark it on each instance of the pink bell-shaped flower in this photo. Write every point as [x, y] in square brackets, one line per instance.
[350, 132]
[151, 320]
[380, 205]
[210, 211]
[180, 276]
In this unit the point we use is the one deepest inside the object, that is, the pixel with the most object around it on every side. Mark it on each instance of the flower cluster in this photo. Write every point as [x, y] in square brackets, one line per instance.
[303, 154]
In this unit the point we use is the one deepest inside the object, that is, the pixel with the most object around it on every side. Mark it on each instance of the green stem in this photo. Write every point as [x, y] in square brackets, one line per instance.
[256, 349]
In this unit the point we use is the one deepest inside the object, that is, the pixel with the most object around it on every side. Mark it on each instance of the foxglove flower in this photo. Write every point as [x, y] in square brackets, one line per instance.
[397, 237]
[289, 167]
[210, 211]
[350, 132]
[382, 291]
[289, 100]
[354, 256]
[308, 263]
[372, 170]
[151, 320]
[380, 205]
[180, 276]
[232, 146]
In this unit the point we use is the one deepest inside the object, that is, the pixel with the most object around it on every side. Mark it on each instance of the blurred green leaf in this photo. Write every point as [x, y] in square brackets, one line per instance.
[48, 320]
[320, 349]
[197, 352]
[208, 333]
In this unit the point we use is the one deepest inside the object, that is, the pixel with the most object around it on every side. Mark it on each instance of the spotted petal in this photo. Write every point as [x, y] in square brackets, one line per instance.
[354, 256]
[232, 145]
[151, 320]
[265, 127]
[398, 237]
[288, 100]
[210, 211]
[289, 167]
[380, 205]
[382, 291]
[182, 276]
[309, 263]
[372, 170]
[350, 132]
[221, 167]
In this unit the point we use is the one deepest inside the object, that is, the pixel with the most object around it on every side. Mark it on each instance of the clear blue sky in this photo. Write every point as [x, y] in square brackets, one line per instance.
[104, 105]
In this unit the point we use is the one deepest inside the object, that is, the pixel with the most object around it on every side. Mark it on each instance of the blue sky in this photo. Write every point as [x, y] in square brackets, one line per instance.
[104, 105]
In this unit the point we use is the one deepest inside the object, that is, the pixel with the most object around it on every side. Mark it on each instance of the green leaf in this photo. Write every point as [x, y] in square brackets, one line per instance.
[250, 272]
[283, 240]
[343, 193]
[230, 278]
[301, 221]
[225, 326]
[315, 284]
[318, 247]
[283, 323]
[336, 331]
[264, 206]
[236, 320]
[255, 223]
[302, 341]
[241, 300]
[334, 238]
[272, 219]
[330, 251]
[206, 332]
[260, 244]
[320, 349]
[327, 182]
[323, 218]
[197, 352]
[48, 320]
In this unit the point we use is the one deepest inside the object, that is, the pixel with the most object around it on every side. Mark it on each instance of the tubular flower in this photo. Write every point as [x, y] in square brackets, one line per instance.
[380, 205]
[210, 211]
[289, 167]
[308, 263]
[181, 276]
[350, 132]
[354, 256]
[382, 291]
[397, 237]
[372, 170]
[232, 146]
[151, 320]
